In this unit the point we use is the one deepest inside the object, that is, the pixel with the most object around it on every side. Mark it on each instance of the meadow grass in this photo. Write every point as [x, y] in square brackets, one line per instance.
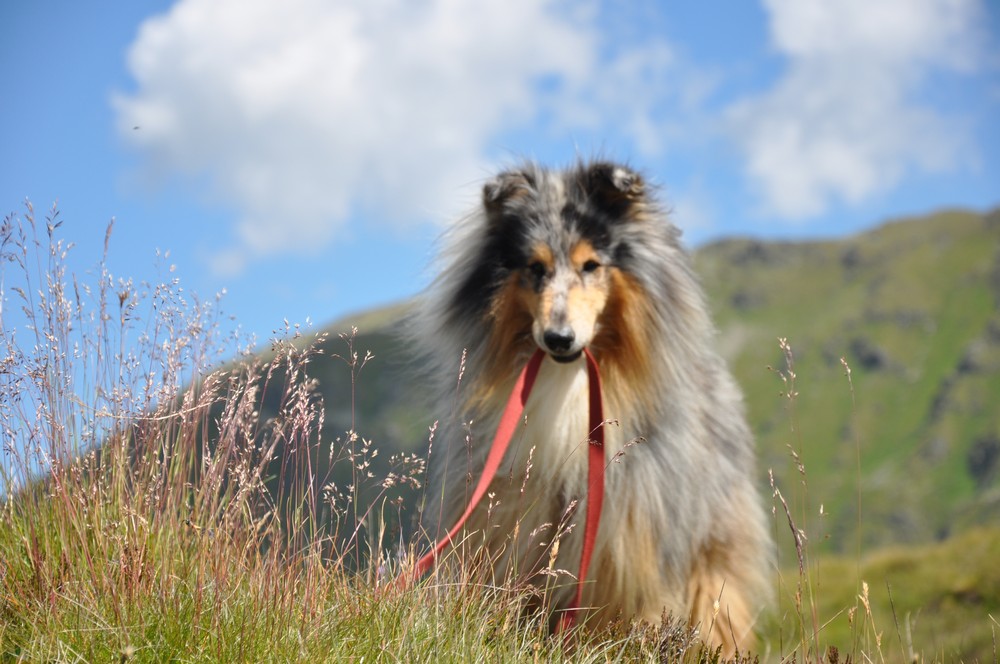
[153, 511]
[936, 602]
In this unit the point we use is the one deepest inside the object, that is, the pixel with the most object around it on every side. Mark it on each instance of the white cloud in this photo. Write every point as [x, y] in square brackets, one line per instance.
[846, 120]
[301, 113]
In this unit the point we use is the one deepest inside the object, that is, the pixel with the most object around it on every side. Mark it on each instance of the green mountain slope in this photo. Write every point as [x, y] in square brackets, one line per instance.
[911, 306]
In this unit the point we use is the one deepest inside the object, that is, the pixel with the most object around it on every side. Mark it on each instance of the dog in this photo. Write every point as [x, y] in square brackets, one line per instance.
[564, 260]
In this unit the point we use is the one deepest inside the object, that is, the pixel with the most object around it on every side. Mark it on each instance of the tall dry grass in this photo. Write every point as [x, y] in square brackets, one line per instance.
[151, 512]
[135, 463]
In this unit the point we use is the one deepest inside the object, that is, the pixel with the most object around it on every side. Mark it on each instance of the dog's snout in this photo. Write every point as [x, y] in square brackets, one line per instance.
[559, 341]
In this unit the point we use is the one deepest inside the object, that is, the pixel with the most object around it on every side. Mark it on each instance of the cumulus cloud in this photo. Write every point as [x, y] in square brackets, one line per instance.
[846, 120]
[304, 113]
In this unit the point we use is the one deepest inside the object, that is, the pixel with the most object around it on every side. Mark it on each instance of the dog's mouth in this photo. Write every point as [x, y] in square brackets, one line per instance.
[566, 358]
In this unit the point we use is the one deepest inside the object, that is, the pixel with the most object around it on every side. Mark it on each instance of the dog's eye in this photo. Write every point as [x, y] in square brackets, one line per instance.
[591, 266]
[537, 269]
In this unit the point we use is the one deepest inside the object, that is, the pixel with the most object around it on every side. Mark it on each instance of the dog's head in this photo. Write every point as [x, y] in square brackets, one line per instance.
[561, 242]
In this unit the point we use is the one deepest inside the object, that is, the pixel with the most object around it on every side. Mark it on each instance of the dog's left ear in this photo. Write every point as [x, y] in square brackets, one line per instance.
[613, 187]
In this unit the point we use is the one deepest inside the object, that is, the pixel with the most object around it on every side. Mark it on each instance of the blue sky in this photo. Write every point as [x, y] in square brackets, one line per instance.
[304, 155]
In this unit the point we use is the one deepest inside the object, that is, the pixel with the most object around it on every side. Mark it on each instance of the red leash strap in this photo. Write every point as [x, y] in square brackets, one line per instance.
[505, 431]
[509, 421]
[595, 489]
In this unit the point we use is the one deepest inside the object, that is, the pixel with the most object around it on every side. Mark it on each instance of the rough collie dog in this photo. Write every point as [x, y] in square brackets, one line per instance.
[586, 258]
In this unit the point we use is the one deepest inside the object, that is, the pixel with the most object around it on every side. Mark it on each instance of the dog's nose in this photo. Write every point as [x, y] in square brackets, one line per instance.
[559, 341]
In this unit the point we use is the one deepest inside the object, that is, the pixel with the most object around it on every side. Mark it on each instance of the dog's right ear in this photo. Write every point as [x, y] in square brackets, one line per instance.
[506, 188]
[613, 186]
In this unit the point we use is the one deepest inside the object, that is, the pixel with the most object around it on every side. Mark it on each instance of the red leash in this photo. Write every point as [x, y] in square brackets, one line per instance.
[595, 488]
[505, 431]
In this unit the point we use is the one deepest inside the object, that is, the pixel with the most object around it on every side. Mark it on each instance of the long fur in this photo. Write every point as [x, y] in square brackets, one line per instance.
[561, 259]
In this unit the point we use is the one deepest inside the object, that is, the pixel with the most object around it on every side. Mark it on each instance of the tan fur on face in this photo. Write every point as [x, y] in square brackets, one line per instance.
[581, 253]
[622, 341]
[606, 306]
[510, 338]
[521, 307]
[570, 295]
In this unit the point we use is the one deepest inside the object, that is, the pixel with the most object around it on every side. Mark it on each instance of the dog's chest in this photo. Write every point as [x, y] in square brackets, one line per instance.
[555, 431]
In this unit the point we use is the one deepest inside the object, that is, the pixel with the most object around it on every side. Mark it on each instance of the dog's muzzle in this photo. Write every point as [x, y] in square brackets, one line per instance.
[561, 345]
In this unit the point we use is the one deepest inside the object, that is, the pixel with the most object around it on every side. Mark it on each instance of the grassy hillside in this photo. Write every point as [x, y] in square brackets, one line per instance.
[933, 602]
[913, 309]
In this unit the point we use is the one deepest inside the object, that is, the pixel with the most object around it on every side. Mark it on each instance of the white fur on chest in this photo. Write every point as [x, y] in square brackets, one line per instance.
[555, 424]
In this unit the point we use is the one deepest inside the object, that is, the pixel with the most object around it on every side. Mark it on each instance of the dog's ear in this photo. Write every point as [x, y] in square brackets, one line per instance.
[505, 188]
[613, 187]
